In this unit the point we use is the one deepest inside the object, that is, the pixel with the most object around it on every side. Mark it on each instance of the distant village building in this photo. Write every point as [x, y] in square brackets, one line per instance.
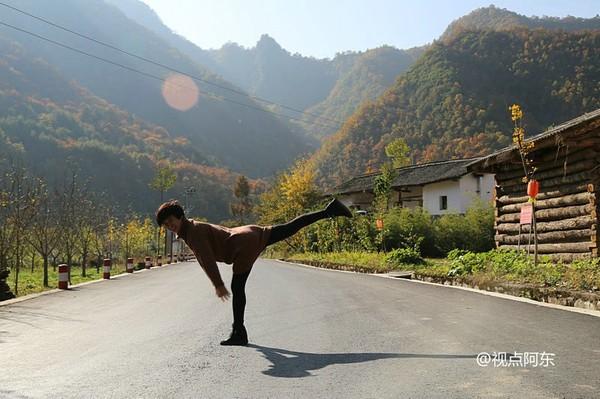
[439, 187]
[568, 161]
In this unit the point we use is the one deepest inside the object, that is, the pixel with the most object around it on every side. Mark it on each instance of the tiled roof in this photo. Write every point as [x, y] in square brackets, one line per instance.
[414, 175]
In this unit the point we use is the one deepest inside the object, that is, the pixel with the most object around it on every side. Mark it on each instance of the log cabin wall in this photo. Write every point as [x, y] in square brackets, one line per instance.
[567, 209]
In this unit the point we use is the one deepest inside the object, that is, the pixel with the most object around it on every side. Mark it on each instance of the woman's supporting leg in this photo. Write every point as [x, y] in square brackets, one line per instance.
[282, 231]
[238, 290]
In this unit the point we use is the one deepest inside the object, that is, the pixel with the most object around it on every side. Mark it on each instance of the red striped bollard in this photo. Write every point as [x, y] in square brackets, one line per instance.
[148, 262]
[159, 260]
[129, 265]
[106, 274]
[63, 276]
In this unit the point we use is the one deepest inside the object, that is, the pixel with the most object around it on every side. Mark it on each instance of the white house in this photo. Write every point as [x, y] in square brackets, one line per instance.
[439, 187]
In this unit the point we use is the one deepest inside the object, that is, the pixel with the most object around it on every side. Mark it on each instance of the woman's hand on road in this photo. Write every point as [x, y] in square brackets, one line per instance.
[222, 293]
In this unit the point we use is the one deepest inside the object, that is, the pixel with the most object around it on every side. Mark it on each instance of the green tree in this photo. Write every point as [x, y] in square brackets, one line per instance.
[163, 180]
[382, 188]
[399, 152]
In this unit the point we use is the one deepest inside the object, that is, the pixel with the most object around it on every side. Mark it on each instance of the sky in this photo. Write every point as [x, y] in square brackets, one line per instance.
[322, 28]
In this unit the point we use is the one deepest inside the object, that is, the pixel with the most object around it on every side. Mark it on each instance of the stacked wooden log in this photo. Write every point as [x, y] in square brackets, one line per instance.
[566, 208]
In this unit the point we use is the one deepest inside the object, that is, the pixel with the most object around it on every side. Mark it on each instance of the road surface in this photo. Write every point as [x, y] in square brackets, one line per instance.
[313, 333]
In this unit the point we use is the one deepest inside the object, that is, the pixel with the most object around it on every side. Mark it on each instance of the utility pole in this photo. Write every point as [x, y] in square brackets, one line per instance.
[188, 191]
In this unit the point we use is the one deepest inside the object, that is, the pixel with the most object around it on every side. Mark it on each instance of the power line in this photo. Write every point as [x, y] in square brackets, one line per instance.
[149, 75]
[165, 66]
[208, 94]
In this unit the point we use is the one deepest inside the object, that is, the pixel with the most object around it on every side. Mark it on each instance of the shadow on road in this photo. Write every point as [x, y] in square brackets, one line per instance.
[291, 364]
[30, 316]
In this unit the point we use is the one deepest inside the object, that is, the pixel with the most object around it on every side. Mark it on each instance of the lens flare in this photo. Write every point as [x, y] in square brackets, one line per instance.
[180, 92]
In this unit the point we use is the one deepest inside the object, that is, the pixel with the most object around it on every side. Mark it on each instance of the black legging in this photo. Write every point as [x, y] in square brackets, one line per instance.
[282, 231]
[278, 232]
[238, 301]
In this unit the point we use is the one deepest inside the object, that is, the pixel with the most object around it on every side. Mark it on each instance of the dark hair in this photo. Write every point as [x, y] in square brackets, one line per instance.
[167, 209]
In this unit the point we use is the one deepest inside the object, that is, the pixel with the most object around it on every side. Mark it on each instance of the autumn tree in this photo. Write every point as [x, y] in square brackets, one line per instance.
[292, 193]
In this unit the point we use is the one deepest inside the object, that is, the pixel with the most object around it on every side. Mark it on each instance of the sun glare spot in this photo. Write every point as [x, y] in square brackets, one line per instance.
[180, 92]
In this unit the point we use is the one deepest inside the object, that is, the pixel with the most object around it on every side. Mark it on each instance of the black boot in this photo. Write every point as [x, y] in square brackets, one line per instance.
[238, 336]
[337, 208]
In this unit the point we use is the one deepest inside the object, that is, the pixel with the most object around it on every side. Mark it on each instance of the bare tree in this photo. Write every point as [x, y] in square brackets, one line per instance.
[69, 213]
[45, 231]
[21, 207]
[85, 216]
[6, 232]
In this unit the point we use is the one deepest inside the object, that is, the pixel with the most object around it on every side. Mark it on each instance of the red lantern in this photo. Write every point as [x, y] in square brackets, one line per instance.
[533, 187]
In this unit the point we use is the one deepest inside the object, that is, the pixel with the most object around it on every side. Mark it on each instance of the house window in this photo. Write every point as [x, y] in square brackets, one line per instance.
[443, 202]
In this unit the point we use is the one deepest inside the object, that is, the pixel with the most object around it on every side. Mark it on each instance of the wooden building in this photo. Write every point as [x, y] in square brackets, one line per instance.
[567, 158]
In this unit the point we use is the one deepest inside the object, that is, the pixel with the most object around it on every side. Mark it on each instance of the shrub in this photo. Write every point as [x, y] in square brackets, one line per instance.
[473, 231]
[455, 253]
[403, 256]
[451, 232]
[409, 228]
[467, 263]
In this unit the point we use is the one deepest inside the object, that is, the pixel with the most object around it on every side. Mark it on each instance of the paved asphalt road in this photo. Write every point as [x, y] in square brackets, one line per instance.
[313, 334]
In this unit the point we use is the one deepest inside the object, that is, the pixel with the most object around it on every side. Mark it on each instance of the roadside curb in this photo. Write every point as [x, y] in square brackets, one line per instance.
[55, 290]
[589, 312]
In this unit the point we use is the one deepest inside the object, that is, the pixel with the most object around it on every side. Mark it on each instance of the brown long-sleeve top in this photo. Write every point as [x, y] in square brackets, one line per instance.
[212, 243]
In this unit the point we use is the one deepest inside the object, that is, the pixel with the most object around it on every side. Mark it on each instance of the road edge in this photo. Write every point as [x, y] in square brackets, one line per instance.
[55, 290]
[589, 312]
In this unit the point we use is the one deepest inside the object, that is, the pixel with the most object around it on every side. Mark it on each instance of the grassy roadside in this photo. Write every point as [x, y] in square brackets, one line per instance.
[478, 268]
[31, 282]
[369, 262]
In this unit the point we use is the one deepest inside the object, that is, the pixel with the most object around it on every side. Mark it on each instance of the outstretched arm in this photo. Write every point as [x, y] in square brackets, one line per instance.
[211, 269]
[206, 258]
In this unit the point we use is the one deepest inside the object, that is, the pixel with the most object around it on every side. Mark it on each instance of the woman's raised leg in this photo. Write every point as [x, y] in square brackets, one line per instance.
[282, 231]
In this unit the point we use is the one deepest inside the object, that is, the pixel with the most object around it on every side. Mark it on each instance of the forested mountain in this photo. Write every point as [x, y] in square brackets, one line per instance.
[449, 99]
[453, 102]
[494, 18]
[58, 127]
[329, 90]
[363, 79]
[212, 125]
